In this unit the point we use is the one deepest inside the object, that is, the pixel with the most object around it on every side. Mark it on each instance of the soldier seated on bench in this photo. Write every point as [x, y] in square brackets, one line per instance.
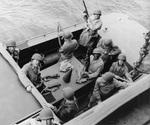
[120, 69]
[105, 87]
[32, 71]
[68, 108]
[96, 65]
[110, 52]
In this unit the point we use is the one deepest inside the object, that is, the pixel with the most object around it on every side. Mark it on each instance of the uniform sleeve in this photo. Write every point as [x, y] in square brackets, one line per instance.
[120, 84]
[96, 91]
[61, 49]
[97, 25]
[127, 75]
[112, 67]
[98, 71]
[24, 69]
[76, 44]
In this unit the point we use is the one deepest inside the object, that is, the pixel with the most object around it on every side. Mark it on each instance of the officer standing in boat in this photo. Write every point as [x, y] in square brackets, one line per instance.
[13, 50]
[69, 46]
[105, 87]
[120, 69]
[90, 37]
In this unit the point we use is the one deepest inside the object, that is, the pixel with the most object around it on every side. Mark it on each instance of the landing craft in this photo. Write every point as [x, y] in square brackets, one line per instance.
[20, 100]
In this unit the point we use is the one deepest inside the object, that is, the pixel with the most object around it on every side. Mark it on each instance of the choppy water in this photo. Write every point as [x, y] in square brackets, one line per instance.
[137, 9]
[22, 20]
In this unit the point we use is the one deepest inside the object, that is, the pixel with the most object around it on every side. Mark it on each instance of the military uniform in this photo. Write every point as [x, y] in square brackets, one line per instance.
[90, 37]
[68, 108]
[33, 73]
[96, 66]
[13, 52]
[120, 70]
[110, 52]
[94, 24]
[105, 87]
[68, 47]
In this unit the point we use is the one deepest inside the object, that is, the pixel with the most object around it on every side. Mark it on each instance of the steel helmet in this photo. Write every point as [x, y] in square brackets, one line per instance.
[108, 42]
[108, 76]
[67, 35]
[97, 12]
[68, 92]
[98, 50]
[45, 114]
[147, 36]
[11, 44]
[122, 57]
[37, 56]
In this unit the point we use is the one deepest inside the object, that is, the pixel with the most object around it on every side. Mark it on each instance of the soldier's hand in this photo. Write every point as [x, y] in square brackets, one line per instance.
[117, 77]
[48, 105]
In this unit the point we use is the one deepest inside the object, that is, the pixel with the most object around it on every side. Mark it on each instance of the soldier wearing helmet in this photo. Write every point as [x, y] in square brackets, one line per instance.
[110, 52]
[13, 50]
[69, 46]
[96, 64]
[120, 69]
[45, 118]
[105, 86]
[94, 22]
[68, 107]
[32, 70]
[90, 36]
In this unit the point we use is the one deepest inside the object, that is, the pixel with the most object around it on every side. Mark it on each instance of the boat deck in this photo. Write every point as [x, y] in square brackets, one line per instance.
[57, 95]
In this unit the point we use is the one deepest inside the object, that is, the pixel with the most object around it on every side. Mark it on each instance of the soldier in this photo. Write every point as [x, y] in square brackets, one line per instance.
[13, 50]
[45, 118]
[68, 107]
[90, 37]
[96, 64]
[110, 52]
[69, 46]
[105, 87]
[94, 22]
[120, 69]
[32, 71]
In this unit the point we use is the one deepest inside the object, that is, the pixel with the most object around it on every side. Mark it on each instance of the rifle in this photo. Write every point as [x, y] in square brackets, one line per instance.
[85, 11]
[58, 31]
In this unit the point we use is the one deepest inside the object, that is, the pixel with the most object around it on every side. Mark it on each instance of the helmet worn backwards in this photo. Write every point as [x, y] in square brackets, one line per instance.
[122, 57]
[68, 92]
[97, 12]
[67, 35]
[108, 76]
[37, 56]
[45, 114]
